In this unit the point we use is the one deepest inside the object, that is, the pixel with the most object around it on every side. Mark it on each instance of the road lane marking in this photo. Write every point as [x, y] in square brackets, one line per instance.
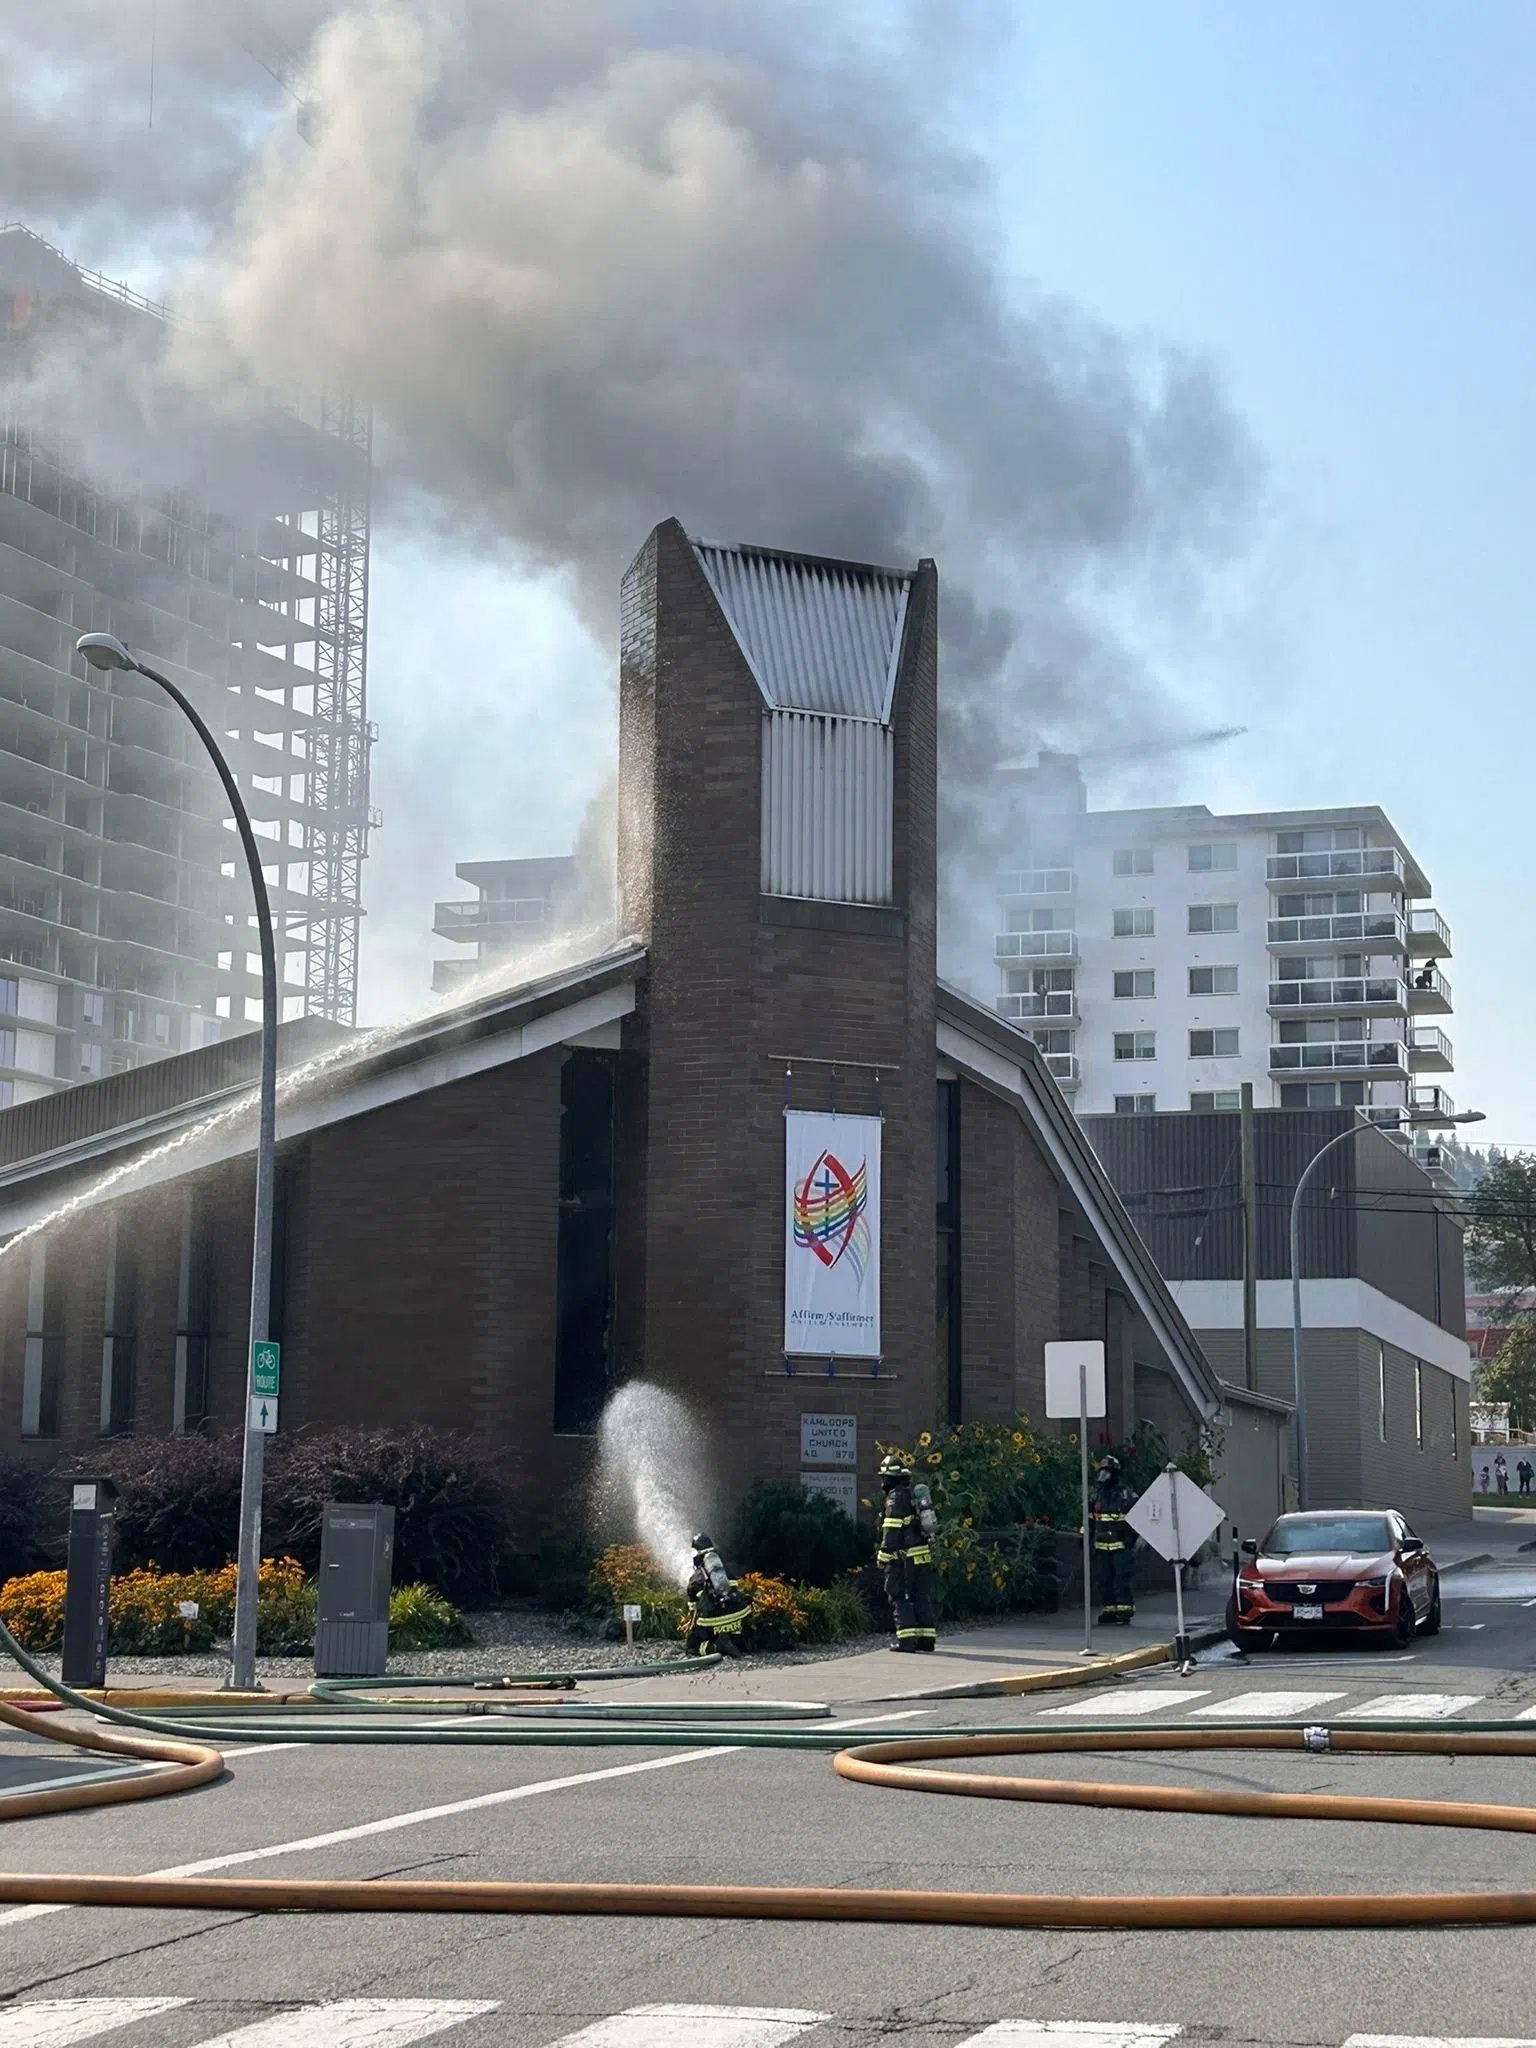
[506, 1797]
[1149, 1701]
[355, 2023]
[1072, 2034]
[1412, 1706]
[694, 2026]
[59, 2022]
[1258, 1706]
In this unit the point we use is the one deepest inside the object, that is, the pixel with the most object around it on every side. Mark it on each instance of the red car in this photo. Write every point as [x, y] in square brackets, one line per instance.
[1360, 1569]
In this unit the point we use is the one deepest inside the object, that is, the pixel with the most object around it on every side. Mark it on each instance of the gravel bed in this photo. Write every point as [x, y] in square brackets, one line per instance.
[510, 1640]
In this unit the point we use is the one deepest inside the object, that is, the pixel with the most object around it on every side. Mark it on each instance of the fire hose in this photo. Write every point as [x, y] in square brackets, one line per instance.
[188, 1756]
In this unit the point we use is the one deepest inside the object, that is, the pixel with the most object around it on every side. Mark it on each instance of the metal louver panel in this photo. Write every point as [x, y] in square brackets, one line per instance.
[827, 799]
[818, 636]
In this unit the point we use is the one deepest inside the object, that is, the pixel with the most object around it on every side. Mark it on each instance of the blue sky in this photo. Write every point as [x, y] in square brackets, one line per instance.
[1334, 206]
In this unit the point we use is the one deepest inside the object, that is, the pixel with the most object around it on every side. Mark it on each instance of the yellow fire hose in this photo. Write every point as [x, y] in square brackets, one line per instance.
[890, 1764]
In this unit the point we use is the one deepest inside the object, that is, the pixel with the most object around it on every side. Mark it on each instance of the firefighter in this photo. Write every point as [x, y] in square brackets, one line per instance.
[717, 1607]
[907, 1526]
[1114, 1544]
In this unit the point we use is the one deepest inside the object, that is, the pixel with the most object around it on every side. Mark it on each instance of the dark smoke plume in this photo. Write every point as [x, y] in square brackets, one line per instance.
[597, 261]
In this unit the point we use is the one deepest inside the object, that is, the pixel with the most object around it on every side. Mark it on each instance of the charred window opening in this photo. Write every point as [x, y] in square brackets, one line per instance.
[947, 1155]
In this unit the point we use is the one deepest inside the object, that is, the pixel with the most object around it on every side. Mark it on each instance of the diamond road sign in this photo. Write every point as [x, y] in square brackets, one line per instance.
[266, 1360]
[264, 1414]
[1153, 1516]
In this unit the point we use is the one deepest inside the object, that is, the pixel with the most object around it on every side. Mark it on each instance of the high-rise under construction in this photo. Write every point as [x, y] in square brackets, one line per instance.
[234, 556]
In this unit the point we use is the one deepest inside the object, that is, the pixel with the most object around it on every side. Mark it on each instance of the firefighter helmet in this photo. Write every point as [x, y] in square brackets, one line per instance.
[892, 1467]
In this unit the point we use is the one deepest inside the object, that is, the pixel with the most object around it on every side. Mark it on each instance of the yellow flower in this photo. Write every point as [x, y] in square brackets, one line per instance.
[966, 1523]
[924, 1441]
[935, 1457]
[865, 1503]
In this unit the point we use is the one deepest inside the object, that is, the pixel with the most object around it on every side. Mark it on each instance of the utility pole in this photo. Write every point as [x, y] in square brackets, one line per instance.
[1250, 1242]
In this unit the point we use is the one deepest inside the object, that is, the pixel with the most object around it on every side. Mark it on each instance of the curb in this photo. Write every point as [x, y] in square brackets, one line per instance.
[1053, 1680]
[130, 1696]
[1466, 1564]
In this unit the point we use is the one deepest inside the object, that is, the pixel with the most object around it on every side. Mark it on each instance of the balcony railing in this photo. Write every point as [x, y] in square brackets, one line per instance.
[1385, 994]
[1318, 867]
[1038, 882]
[1036, 946]
[1428, 933]
[1425, 1099]
[1431, 1050]
[1025, 1006]
[1345, 1055]
[1429, 993]
[473, 919]
[1064, 1068]
[1383, 928]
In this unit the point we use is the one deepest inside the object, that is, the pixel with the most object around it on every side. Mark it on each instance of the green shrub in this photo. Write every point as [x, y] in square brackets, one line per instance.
[26, 1521]
[835, 1612]
[783, 1532]
[627, 1574]
[421, 1619]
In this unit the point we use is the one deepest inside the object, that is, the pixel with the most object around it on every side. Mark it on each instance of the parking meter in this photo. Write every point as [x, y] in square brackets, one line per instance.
[88, 1587]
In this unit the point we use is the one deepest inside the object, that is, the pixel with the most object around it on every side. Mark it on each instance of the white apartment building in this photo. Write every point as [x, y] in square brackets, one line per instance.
[1162, 957]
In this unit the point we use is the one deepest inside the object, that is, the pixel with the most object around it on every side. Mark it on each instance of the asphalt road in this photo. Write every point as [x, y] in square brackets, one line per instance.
[766, 1817]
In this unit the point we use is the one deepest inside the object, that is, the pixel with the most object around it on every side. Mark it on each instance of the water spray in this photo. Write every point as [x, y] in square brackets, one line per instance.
[651, 1474]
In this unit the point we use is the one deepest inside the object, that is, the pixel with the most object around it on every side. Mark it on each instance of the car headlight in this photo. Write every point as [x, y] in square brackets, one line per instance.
[1250, 1585]
[1376, 1584]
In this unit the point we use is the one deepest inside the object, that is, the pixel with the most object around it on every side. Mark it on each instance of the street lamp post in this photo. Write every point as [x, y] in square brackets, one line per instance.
[1298, 1361]
[104, 651]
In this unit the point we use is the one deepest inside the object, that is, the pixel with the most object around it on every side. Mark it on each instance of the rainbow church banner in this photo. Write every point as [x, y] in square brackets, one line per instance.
[831, 1235]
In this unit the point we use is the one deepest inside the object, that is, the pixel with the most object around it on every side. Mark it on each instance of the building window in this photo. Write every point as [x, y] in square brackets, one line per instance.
[90, 1058]
[1323, 839]
[93, 1007]
[1213, 917]
[1133, 860]
[584, 1249]
[1322, 1095]
[1217, 859]
[1140, 982]
[1214, 1045]
[1381, 1392]
[947, 1218]
[1213, 981]
[39, 1360]
[7, 1048]
[1135, 1045]
[162, 1028]
[1418, 1404]
[10, 995]
[1455, 1428]
[1135, 1105]
[1052, 1041]
[1206, 1100]
[122, 1023]
[1133, 924]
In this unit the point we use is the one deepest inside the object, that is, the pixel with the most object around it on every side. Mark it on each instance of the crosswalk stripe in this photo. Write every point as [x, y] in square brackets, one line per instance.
[694, 2026]
[1261, 1706]
[1133, 1701]
[1412, 1706]
[1526, 1714]
[59, 2022]
[1432, 2041]
[354, 2023]
[1071, 2034]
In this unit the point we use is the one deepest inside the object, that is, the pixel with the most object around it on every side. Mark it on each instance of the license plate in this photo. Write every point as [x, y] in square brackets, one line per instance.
[1307, 1611]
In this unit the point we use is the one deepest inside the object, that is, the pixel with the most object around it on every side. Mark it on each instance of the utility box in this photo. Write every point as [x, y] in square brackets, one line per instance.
[357, 1549]
[88, 1587]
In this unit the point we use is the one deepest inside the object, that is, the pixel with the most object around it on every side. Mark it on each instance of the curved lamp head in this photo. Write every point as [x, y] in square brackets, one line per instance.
[104, 650]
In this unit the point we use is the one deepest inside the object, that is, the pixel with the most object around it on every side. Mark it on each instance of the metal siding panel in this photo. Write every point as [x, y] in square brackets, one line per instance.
[826, 808]
[817, 637]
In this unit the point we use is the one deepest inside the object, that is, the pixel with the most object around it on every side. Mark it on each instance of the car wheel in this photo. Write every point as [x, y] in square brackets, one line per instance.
[1407, 1624]
[1431, 1622]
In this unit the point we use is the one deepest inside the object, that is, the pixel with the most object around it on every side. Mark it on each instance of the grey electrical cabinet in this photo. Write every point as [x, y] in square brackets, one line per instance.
[357, 1548]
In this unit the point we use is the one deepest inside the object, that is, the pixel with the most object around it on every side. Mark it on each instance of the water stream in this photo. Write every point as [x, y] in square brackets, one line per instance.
[652, 1475]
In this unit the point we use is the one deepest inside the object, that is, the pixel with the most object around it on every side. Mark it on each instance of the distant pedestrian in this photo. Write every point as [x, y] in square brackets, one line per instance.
[1482, 1483]
[1501, 1473]
[1525, 1472]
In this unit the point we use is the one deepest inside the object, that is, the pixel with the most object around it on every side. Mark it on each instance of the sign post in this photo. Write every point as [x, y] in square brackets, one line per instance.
[631, 1616]
[1074, 1385]
[1175, 1516]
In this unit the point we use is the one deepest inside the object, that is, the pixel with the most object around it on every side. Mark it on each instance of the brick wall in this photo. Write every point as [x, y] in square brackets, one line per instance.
[741, 985]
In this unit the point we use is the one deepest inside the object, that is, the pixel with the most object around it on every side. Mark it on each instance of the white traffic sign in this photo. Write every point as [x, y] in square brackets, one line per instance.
[632, 1611]
[1175, 1516]
[264, 1414]
[1066, 1366]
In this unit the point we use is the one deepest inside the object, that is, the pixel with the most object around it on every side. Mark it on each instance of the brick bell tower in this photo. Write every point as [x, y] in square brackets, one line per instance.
[777, 854]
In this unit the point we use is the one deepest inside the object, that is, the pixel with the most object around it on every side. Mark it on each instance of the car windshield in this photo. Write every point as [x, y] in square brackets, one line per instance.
[1327, 1532]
